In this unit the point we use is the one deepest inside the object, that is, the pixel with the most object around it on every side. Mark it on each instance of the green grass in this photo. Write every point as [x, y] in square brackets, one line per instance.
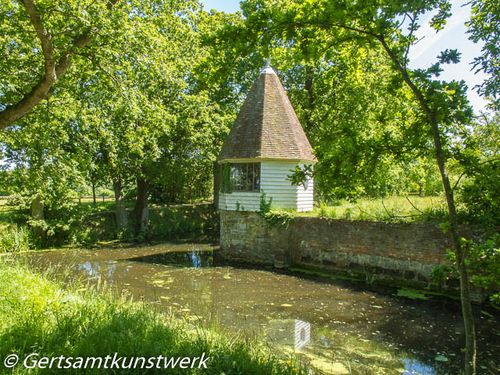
[393, 209]
[412, 294]
[14, 239]
[38, 315]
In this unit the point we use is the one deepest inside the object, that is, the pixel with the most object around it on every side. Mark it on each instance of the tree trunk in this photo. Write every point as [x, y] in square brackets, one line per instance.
[93, 193]
[38, 213]
[461, 255]
[217, 177]
[141, 209]
[120, 212]
[460, 251]
[421, 190]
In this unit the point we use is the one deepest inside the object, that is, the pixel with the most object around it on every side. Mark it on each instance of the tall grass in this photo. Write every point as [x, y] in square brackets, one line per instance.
[392, 209]
[14, 239]
[37, 315]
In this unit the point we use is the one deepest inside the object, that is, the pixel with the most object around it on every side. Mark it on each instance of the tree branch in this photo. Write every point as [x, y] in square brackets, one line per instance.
[406, 77]
[415, 207]
[44, 37]
[53, 70]
[413, 21]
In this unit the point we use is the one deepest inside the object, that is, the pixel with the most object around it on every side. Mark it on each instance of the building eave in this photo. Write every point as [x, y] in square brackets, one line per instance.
[260, 160]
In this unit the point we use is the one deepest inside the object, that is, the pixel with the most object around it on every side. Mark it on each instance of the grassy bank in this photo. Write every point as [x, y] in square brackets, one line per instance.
[37, 315]
[392, 209]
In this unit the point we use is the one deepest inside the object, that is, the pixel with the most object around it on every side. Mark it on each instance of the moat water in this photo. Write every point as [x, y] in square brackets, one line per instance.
[334, 326]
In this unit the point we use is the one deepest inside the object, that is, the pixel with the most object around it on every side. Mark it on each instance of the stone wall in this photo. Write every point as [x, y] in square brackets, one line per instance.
[246, 237]
[373, 249]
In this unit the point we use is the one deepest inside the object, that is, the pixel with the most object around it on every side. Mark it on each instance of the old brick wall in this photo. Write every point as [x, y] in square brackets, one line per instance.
[408, 251]
[246, 237]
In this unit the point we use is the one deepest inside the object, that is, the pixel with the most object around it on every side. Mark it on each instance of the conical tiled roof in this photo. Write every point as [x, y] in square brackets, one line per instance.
[267, 126]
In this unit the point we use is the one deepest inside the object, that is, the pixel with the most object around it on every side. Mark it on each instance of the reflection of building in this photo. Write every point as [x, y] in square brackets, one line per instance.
[302, 334]
[265, 145]
[289, 332]
[97, 269]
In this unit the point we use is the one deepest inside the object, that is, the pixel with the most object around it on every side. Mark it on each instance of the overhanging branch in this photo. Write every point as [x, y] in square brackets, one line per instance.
[53, 70]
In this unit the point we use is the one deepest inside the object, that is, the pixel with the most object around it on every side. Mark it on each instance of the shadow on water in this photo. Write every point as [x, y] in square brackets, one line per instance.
[336, 327]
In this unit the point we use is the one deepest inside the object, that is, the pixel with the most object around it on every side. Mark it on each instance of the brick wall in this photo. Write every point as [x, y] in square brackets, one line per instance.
[382, 250]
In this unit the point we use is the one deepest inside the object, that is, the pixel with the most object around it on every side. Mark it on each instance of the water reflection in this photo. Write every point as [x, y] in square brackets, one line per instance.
[413, 367]
[93, 269]
[293, 333]
[334, 327]
[194, 258]
[302, 333]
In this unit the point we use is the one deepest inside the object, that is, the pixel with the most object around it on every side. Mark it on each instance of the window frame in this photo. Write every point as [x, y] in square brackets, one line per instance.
[241, 177]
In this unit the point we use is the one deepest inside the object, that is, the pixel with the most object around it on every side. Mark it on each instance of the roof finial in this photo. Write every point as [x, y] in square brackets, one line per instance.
[267, 69]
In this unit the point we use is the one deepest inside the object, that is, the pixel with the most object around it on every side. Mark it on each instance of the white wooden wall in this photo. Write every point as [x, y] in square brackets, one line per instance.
[241, 201]
[275, 184]
[305, 197]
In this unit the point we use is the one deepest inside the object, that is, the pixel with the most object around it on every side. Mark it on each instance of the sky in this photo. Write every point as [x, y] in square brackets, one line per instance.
[425, 52]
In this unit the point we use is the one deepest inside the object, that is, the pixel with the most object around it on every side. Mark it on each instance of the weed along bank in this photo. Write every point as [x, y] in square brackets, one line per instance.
[261, 157]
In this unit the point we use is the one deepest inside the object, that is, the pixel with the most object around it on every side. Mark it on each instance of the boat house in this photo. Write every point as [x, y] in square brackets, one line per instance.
[265, 145]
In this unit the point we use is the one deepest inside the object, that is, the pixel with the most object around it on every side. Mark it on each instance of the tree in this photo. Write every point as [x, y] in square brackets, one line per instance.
[441, 105]
[45, 169]
[356, 121]
[357, 117]
[153, 122]
[132, 96]
[479, 157]
[136, 106]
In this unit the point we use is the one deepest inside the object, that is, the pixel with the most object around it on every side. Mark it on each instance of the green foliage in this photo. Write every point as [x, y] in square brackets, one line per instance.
[484, 26]
[360, 116]
[484, 259]
[225, 179]
[14, 239]
[412, 294]
[479, 159]
[483, 263]
[480, 195]
[273, 217]
[265, 205]
[124, 111]
[444, 272]
[278, 218]
[68, 223]
[36, 315]
[198, 222]
[301, 174]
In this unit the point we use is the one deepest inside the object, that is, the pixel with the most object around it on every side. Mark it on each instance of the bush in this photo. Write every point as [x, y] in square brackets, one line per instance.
[484, 265]
[194, 222]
